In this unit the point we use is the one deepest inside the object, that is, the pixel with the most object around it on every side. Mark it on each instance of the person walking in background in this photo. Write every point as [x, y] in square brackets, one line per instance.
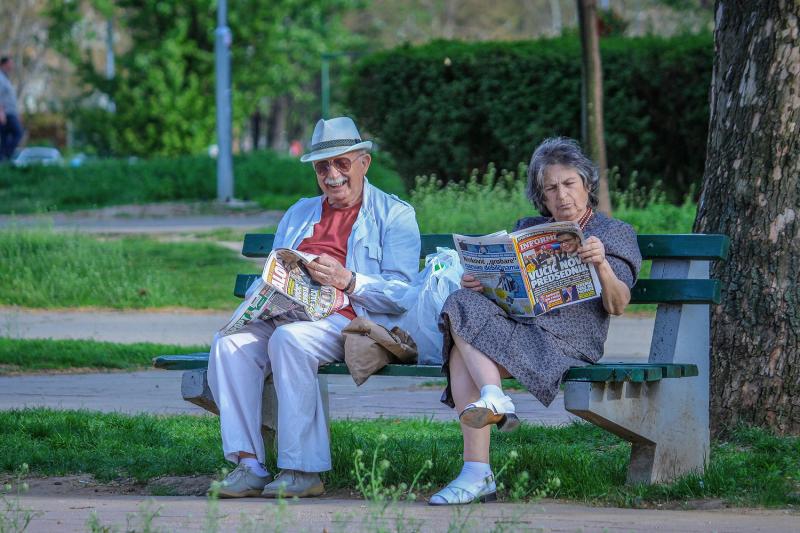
[10, 125]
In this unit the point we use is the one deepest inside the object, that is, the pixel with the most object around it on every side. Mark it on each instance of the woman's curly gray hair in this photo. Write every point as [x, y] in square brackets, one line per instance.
[559, 151]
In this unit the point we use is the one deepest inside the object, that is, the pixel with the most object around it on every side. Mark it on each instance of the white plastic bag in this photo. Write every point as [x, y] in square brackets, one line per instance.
[424, 301]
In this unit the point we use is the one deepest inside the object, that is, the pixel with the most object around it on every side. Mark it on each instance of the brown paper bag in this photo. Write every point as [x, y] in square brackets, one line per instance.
[368, 347]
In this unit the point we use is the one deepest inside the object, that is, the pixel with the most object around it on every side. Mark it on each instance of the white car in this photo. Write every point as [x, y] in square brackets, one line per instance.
[38, 155]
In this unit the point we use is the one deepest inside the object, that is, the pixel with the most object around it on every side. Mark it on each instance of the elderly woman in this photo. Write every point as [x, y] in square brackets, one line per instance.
[482, 344]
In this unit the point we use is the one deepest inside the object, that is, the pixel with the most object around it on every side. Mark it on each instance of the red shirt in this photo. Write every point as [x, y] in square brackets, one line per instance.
[330, 237]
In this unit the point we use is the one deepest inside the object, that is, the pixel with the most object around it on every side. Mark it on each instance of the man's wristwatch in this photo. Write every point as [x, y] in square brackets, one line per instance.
[351, 284]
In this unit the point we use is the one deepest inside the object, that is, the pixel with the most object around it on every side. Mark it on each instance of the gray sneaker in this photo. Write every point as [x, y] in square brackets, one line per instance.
[294, 483]
[242, 482]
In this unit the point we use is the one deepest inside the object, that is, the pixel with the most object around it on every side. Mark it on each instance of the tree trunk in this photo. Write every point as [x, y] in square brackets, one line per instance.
[592, 97]
[255, 128]
[751, 192]
[278, 139]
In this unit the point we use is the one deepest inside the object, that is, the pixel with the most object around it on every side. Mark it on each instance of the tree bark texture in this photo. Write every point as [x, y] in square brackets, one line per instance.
[750, 193]
[592, 89]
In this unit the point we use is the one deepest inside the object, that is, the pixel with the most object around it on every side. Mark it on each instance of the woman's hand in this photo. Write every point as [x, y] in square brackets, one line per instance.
[615, 294]
[468, 281]
[326, 270]
[593, 251]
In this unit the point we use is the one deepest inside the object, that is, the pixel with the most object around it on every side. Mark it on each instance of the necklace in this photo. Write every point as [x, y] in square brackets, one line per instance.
[585, 218]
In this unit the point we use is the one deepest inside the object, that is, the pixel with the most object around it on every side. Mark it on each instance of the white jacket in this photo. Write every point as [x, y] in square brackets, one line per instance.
[383, 248]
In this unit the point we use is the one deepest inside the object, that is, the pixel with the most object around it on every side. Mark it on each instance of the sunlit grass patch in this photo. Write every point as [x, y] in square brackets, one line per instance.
[750, 467]
[27, 355]
[42, 268]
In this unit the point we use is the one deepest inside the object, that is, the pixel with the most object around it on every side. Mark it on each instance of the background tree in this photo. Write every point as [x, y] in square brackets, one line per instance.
[163, 93]
[751, 193]
[592, 124]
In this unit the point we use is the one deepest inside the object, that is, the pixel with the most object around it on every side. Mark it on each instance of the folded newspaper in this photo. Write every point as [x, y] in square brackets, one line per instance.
[531, 271]
[286, 289]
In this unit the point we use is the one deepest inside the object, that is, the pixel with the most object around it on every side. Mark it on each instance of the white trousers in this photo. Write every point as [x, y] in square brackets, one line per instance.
[237, 367]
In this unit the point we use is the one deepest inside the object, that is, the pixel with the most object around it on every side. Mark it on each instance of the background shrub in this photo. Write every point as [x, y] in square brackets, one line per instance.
[448, 107]
[274, 180]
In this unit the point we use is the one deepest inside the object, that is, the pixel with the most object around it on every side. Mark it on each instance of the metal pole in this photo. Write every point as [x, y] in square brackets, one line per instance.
[326, 85]
[223, 71]
[110, 48]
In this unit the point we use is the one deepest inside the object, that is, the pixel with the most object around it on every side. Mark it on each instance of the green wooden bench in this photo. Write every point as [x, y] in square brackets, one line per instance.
[661, 406]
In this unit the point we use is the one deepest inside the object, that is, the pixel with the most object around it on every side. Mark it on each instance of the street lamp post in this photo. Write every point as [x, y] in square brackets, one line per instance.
[222, 56]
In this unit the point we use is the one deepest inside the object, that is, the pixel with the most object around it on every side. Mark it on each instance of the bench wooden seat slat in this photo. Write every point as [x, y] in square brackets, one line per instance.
[652, 246]
[612, 372]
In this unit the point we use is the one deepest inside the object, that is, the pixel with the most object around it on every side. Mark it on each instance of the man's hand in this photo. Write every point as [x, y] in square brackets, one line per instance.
[468, 281]
[327, 271]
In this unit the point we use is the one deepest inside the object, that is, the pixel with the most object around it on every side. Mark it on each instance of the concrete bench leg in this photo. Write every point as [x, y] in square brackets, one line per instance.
[195, 389]
[657, 419]
[666, 421]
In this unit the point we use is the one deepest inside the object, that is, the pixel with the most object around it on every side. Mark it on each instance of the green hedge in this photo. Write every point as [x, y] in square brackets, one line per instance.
[274, 180]
[448, 107]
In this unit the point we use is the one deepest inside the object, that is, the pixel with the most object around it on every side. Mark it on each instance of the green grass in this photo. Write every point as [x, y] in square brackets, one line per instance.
[496, 201]
[752, 467]
[41, 268]
[25, 355]
[274, 180]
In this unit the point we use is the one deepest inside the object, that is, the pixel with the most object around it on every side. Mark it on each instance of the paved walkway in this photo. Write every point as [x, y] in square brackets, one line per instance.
[167, 217]
[329, 514]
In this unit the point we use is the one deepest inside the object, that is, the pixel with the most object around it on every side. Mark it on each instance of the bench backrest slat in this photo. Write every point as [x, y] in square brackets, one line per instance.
[646, 291]
[667, 247]
[692, 246]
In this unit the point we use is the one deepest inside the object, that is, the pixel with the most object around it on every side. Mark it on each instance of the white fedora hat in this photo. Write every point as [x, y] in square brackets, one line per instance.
[334, 137]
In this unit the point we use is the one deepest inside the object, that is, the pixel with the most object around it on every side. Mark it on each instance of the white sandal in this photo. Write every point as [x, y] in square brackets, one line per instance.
[487, 411]
[461, 493]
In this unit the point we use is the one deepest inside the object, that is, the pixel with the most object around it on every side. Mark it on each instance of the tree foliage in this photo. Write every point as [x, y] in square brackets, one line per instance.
[448, 107]
[163, 94]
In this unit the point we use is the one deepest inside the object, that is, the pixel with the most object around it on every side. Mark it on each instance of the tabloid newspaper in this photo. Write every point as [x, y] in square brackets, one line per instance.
[286, 289]
[531, 271]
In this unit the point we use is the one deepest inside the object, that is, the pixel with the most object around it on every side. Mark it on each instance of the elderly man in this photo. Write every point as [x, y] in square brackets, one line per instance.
[10, 125]
[368, 246]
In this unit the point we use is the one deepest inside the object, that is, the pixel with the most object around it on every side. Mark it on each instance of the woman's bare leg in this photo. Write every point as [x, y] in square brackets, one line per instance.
[483, 370]
[465, 391]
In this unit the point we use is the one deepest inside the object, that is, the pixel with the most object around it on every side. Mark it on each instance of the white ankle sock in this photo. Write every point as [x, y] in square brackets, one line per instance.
[473, 472]
[255, 467]
[492, 391]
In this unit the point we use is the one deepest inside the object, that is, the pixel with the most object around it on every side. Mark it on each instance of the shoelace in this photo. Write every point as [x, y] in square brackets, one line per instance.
[237, 473]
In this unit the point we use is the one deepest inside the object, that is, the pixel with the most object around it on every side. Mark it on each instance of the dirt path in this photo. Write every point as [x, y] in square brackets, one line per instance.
[180, 513]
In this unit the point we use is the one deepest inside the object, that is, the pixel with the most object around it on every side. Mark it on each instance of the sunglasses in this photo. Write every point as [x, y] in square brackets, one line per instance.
[342, 164]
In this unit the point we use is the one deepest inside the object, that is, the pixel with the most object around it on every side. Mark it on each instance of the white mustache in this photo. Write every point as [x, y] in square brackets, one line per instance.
[335, 182]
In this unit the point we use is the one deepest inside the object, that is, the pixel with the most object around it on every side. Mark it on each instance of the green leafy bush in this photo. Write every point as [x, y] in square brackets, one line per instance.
[448, 107]
[488, 203]
[274, 180]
